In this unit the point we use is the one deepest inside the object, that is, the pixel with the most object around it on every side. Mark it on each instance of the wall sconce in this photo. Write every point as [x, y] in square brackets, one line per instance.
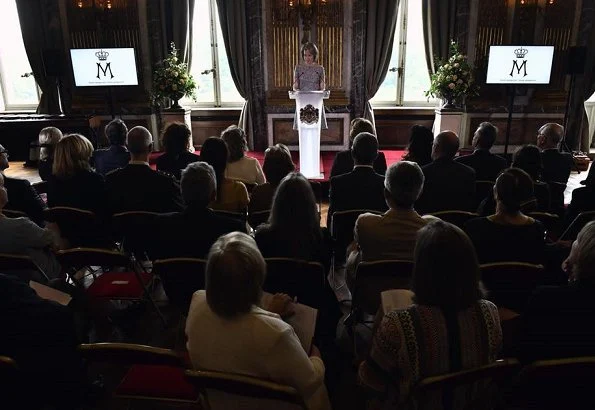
[96, 4]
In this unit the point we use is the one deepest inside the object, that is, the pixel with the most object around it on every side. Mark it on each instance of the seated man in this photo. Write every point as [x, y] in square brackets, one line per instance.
[192, 232]
[448, 184]
[487, 166]
[362, 188]
[393, 234]
[23, 196]
[556, 165]
[117, 155]
[136, 187]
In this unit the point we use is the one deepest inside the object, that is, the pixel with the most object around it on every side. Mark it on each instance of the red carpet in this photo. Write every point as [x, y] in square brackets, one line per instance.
[326, 156]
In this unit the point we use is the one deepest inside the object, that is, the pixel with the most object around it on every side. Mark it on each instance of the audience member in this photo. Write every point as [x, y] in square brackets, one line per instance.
[487, 166]
[277, 164]
[362, 188]
[242, 337]
[449, 328]
[556, 165]
[24, 197]
[448, 184]
[73, 183]
[419, 149]
[176, 144]
[136, 187]
[240, 166]
[232, 195]
[48, 138]
[21, 236]
[583, 199]
[343, 162]
[509, 235]
[558, 321]
[293, 229]
[192, 232]
[117, 155]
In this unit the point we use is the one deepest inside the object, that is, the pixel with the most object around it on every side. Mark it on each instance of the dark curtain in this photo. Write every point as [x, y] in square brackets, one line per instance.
[178, 27]
[32, 23]
[439, 17]
[232, 17]
[380, 32]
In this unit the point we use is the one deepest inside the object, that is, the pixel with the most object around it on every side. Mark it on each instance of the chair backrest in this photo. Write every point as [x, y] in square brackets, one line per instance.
[79, 226]
[129, 354]
[40, 187]
[297, 278]
[372, 278]
[240, 216]
[476, 387]
[510, 284]
[13, 387]
[455, 217]
[78, 258]
[244, 386]
[181, 277]
[8, 368]
[482, 190]
[550, 221]
[132, 228]
[13, 213]
[575, 227]
[15, 264]
[258, 217]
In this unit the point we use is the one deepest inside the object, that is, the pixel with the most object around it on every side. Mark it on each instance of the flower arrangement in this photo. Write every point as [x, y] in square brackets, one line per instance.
[454, 78]
[171, 79]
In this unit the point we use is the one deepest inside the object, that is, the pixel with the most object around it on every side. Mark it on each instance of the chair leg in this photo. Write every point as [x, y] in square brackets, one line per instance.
[148, 295]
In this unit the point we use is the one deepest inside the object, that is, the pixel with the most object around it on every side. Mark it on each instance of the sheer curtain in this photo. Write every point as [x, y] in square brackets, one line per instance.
[439, 17]
[380, 33]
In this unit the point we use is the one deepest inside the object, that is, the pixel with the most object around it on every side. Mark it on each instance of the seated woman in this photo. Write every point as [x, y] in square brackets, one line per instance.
[48, 138]
[240, 166]
[343, 162]
[228, 332]
[509, 234]
[419, 149]
[450, 327]
[277, 164]
[293, 229]
[177, 155]
[232, 196]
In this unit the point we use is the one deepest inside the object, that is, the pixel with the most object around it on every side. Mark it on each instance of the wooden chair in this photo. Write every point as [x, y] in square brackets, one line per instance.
[258, 217]
[456, 217]
[550, 221]
[240, 216]
[181, 277]
[13, 213]
[19, 265]
[298, 278]
[80, 227]
[575, 227]
[247, 387]
[482, 190]
[472, 389]
[558, 384]
[151, 373]
[510, 284]
[132, 230]
[121, 281]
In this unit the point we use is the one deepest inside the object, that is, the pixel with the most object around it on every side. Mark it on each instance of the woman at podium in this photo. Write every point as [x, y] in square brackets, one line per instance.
[309, 76]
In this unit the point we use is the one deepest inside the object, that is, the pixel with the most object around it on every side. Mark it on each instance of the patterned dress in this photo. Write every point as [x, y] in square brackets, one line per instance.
[413, 344]
[308, 78]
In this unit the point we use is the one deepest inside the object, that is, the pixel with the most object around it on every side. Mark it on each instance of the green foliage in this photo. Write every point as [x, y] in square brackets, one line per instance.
[454, 77]
[171, 78]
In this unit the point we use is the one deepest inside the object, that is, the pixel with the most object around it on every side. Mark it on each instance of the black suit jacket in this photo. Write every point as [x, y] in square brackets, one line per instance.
[583, 199]
[107, 160]
[487, 166]
[175, 164]
[362, 188]
[448, 185]
[343, 163]
[556, 166]
[191, 233]
[23, 197]
[84, 190]
[136, 187]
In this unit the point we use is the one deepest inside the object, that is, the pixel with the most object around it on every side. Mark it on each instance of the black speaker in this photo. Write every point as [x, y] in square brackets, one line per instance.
[53, 63]
[577, 57]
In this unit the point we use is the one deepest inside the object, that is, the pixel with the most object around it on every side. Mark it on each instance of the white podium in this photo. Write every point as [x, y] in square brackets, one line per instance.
[308, 113]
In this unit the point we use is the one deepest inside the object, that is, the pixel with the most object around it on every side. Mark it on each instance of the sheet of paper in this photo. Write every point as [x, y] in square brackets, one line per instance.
[396, 299]
[45, 292]
[303, 321]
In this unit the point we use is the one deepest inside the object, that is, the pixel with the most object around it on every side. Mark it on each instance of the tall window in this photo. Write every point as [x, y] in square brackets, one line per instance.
[17, 86]
[209, 59]
[407, 77]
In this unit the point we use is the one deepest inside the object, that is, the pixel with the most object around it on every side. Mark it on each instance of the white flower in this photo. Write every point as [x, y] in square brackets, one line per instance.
[460, 57]
[446, 66]
[451, 86]
[456, 65]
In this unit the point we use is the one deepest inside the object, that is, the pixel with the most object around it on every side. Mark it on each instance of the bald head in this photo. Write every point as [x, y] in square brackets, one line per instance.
[140, 142]
[446, 145]
[550, 135]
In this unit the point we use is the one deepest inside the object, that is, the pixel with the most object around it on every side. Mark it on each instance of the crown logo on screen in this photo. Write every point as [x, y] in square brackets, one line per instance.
[102, 55]
[521, 52]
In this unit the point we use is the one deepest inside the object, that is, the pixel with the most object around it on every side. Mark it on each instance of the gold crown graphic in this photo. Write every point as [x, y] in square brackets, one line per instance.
[102, 55]
[521, 52]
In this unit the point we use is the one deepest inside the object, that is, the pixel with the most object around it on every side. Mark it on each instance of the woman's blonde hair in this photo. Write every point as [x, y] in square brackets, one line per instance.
[48, 138]
[72, 155]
